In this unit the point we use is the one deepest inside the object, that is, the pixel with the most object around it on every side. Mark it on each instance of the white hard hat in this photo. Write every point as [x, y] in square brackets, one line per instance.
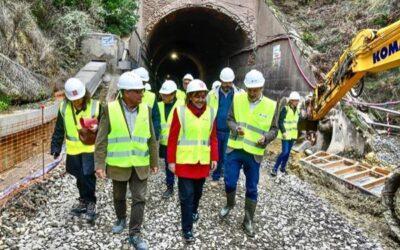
[74, 89]
[188, 77]
[143, 73]
[227, 75]
[147, 86]
[294, 96]
[254, 79]
[196, 85]
[129, 80]
[168, 87]
[216, 84]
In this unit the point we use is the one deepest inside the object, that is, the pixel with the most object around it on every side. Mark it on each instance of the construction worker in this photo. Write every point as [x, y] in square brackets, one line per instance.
[185, 81]
[252, 121]
[166, 106]
[288, 132]
[125, 148]
[150, 98]
[192, 146]
[79, 162]
[221, 100]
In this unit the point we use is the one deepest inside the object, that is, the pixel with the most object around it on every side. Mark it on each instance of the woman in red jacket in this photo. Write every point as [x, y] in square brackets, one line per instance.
[192, 146]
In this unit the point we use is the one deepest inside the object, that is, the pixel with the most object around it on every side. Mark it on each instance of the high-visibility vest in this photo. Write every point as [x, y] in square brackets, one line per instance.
[254, 122]
[180, 95]
[165, 122]
[290, 123]
[73, 143]
[149, 98]
[128, 148]
[194, 136]
[212, 99]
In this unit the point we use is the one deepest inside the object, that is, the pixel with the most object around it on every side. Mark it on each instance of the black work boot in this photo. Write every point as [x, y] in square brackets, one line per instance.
[230, 203]
[249, 210]
[189, 238]
[91, 212]
[168, 193]
[79, 208]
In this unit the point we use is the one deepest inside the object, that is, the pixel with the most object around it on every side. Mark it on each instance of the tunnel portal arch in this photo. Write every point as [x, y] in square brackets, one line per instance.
[204, 35]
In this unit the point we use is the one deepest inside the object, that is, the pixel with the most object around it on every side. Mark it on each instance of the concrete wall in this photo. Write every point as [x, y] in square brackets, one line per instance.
[281, 74]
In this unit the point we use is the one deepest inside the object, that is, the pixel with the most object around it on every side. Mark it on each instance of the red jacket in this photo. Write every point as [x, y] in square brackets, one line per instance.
[191, 171]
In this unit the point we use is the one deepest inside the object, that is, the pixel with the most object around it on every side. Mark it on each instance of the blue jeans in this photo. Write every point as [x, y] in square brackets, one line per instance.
[237, 159]
[190, 192]
[222, 144]
[284, 156]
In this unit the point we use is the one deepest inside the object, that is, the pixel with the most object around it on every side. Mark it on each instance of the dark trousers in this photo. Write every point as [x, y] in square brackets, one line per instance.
[222, 144]
[81, 166]
[138, 189]
[87, 187]
[190, 192]
[284, 155]
[169, 176]
[236, 160]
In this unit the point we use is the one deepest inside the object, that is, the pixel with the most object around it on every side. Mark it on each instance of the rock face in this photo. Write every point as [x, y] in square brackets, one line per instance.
[20, 84]
[103, 47]
[289, 216]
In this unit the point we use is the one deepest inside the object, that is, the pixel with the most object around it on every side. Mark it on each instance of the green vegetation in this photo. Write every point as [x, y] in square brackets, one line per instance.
[5, 102]
[115, 16]
[120, 16]
[308, 38]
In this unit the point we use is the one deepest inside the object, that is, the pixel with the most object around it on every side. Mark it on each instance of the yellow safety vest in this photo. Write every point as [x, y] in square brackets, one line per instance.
[128, 149]
[254, 122]
[73, 143]
[165, 122]
[194, 137]
[290, 123]
[180, 95]
[212, 99]
[149, 98]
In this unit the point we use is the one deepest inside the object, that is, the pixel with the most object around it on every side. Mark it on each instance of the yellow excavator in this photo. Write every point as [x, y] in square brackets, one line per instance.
[371, 51]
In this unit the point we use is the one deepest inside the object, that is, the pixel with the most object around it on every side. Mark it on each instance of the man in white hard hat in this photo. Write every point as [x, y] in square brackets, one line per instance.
[252, 121]
[126, 150]
[185, 81]
[166, 107]
[288, 132]
[221, 100]
[79, 163]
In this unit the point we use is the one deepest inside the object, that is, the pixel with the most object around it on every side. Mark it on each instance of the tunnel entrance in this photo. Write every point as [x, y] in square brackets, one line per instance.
[194, 40]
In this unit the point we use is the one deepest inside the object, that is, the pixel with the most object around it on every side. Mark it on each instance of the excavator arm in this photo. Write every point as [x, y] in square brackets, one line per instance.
[371, 51]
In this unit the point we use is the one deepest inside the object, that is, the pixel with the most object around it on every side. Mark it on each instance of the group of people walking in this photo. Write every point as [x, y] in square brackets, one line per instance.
[198, 133]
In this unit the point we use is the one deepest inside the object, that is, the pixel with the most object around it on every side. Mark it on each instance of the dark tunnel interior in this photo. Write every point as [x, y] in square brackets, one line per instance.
[193, 40]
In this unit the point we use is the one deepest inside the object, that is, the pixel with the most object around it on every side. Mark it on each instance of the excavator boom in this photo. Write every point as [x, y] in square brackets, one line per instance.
[371, 51]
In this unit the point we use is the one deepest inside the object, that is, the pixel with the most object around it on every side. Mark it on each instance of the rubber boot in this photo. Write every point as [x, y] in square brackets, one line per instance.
[230, 203]
[249, 210]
